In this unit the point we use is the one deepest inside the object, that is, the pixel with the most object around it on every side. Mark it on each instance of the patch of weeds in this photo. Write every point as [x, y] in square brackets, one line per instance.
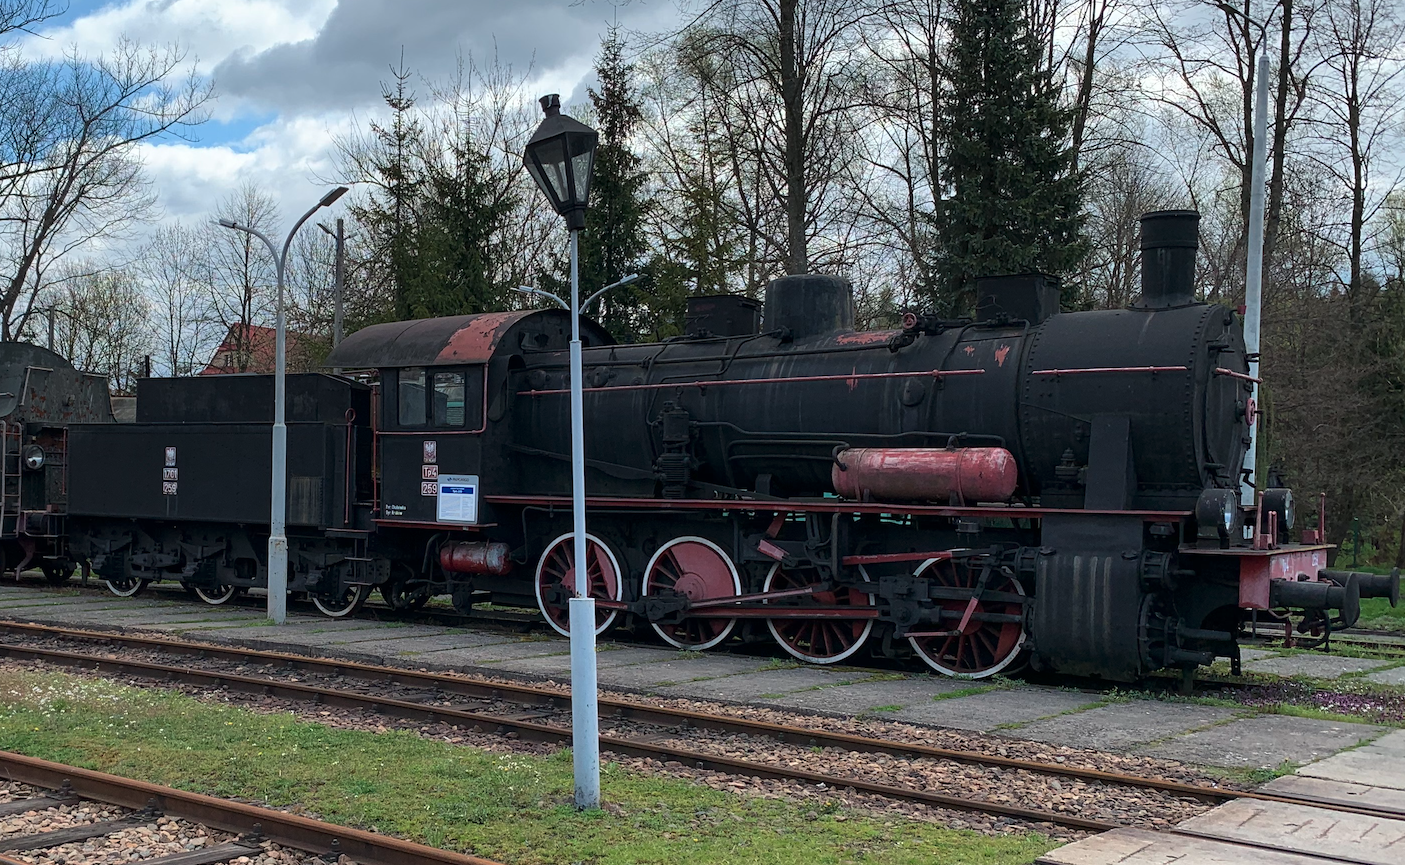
[1354, 701]
[966, 692]
[886, 677]
[779, 664]
[1254, 776]
[689, 655]
[876, 709]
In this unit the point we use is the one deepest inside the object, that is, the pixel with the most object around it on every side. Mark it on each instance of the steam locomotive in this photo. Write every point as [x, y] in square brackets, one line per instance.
[1060, 488]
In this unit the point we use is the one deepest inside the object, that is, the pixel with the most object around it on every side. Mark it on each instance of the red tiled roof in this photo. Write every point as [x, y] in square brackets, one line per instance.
[256, 346]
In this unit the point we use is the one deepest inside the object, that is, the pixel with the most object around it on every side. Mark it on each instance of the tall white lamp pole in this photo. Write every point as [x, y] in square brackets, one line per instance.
[560, 157]
[278, 538]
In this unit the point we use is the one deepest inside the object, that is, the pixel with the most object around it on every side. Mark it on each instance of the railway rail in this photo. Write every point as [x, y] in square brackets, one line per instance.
[538, 714]
[251, 825]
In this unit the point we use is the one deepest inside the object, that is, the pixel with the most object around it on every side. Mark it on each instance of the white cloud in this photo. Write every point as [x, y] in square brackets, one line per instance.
[211, 30]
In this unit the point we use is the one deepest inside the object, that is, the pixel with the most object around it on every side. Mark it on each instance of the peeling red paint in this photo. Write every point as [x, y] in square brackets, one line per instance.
[970, 350]
[475, 341]
[864, 337]
[1000, 354]
[853, 383]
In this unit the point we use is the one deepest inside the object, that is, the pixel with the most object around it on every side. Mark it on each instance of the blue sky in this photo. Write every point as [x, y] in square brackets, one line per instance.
[290, 75]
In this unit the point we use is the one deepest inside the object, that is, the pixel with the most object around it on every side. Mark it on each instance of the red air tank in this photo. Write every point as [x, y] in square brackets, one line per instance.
[925, 474]
[475, 557]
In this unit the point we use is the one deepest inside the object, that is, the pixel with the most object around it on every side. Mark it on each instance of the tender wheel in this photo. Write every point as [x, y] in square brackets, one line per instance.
[557, 568]
[983, 648]
[213, 595]
[697, 568]
[126, 586]
[56, 574]
[818, 641]
[339, 605]
[406, 592]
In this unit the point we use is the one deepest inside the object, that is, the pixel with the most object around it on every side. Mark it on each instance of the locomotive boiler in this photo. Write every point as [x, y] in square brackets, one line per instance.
[1027, 484]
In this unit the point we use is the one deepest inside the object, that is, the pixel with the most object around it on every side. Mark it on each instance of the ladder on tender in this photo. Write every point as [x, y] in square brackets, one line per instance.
[11, 441]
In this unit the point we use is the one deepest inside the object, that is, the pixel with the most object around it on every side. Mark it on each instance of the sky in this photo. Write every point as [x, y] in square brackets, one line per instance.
[290, 75]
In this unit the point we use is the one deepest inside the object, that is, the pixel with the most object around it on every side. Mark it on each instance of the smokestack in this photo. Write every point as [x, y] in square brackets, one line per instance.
[809, 305]
[1169, 241]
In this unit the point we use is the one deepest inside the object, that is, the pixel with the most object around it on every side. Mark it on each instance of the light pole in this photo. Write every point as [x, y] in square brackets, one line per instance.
[560, 157]
[1254, 254]
[277, 537]
[337, 315]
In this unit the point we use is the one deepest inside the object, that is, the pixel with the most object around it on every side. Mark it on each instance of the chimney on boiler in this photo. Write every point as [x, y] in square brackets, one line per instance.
[1170, 239]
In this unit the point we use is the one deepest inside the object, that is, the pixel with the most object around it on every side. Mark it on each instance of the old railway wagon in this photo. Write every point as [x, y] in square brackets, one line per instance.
[1030, 484]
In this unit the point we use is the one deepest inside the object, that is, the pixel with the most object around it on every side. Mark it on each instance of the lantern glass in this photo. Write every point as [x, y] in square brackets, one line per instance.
[560, 158]
[547, 163]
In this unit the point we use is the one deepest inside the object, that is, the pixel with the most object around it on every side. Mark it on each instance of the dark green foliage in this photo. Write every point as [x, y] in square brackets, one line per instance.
[432, 217]
[613, 244]
[1014, 203]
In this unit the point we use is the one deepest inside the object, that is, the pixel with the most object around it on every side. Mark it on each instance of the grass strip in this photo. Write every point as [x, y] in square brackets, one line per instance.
[510, 807]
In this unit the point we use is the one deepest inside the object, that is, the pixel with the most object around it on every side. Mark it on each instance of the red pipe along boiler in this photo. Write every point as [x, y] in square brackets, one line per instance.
[475, 557]
[925, 474]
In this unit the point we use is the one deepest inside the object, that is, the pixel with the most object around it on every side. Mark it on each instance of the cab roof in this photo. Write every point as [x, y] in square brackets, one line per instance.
[461, 339]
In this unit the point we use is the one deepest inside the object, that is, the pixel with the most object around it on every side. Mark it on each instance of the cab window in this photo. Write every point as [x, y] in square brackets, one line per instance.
[449, 399]
[409, 389]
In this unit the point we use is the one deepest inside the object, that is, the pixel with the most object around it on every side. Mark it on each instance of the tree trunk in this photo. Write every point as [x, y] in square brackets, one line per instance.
[792, 99]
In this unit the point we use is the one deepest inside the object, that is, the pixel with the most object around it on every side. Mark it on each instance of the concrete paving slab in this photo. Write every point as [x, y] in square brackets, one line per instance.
[985, 712]
[1118, 726]
[1141, 847]
[1247, 655]
[1264, 741]
[1338, 793]
[488, 655]
[160, 617]
[420, 644]
[1333, 835]
[762, 685]
[1374, 766]
[559, 665]
[382, 634]
[665, 673]
[865, 697]
[1316, 666]
[1392, 676]
[1392, 742]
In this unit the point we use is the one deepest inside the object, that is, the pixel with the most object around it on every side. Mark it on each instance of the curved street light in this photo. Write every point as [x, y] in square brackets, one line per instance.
[278, 538]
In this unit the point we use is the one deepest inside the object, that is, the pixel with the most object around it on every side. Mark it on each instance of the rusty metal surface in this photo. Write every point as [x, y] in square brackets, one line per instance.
[284, 828]
[458, 339]
[925, 474]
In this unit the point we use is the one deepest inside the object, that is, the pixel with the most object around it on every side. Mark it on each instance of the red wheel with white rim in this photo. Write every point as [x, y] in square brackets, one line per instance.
[982, 648]
[818, 641]
[697, 568]
[557, 568]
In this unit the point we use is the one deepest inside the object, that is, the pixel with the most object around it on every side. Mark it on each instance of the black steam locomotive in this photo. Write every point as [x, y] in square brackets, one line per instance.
[1027, 484]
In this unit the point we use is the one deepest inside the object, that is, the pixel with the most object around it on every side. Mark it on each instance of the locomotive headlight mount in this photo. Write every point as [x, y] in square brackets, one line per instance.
[34, 457]
[1218, 514]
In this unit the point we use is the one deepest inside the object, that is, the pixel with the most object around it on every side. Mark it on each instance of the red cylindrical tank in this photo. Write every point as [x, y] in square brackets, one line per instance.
[925, 474]
[475, 557]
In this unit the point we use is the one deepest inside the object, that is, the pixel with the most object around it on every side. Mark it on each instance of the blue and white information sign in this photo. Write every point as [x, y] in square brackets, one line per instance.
[458, 498]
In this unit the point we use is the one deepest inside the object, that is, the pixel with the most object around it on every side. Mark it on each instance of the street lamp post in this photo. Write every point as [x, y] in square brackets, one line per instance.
[277, 538]
[560, 157]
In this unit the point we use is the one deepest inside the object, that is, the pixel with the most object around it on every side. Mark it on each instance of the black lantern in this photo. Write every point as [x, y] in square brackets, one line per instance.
[560, 157]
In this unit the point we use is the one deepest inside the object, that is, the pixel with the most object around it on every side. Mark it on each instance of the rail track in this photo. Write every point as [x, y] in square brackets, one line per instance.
[250, 825]
[536, 714]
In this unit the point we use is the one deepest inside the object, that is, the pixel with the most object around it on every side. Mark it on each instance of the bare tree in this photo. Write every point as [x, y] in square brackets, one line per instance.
[101, 321]
[239, 273]
[68, 167]
[1359, 99]
[175, 269]
[785, 73]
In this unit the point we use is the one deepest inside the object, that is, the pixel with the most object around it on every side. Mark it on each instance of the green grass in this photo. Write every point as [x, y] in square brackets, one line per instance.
[512, 808]
[1377, 614]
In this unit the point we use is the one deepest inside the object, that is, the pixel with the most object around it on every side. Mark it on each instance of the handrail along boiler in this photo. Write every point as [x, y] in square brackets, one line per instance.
[1060, 487]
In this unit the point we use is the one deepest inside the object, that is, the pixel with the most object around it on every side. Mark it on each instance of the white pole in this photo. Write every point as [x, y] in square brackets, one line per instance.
[585, 709]
[1253, 277]
[278, 538]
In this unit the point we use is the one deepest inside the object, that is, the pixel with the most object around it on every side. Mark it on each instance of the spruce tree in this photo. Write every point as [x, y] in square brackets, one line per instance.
[613, 244]
[1015, 197]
